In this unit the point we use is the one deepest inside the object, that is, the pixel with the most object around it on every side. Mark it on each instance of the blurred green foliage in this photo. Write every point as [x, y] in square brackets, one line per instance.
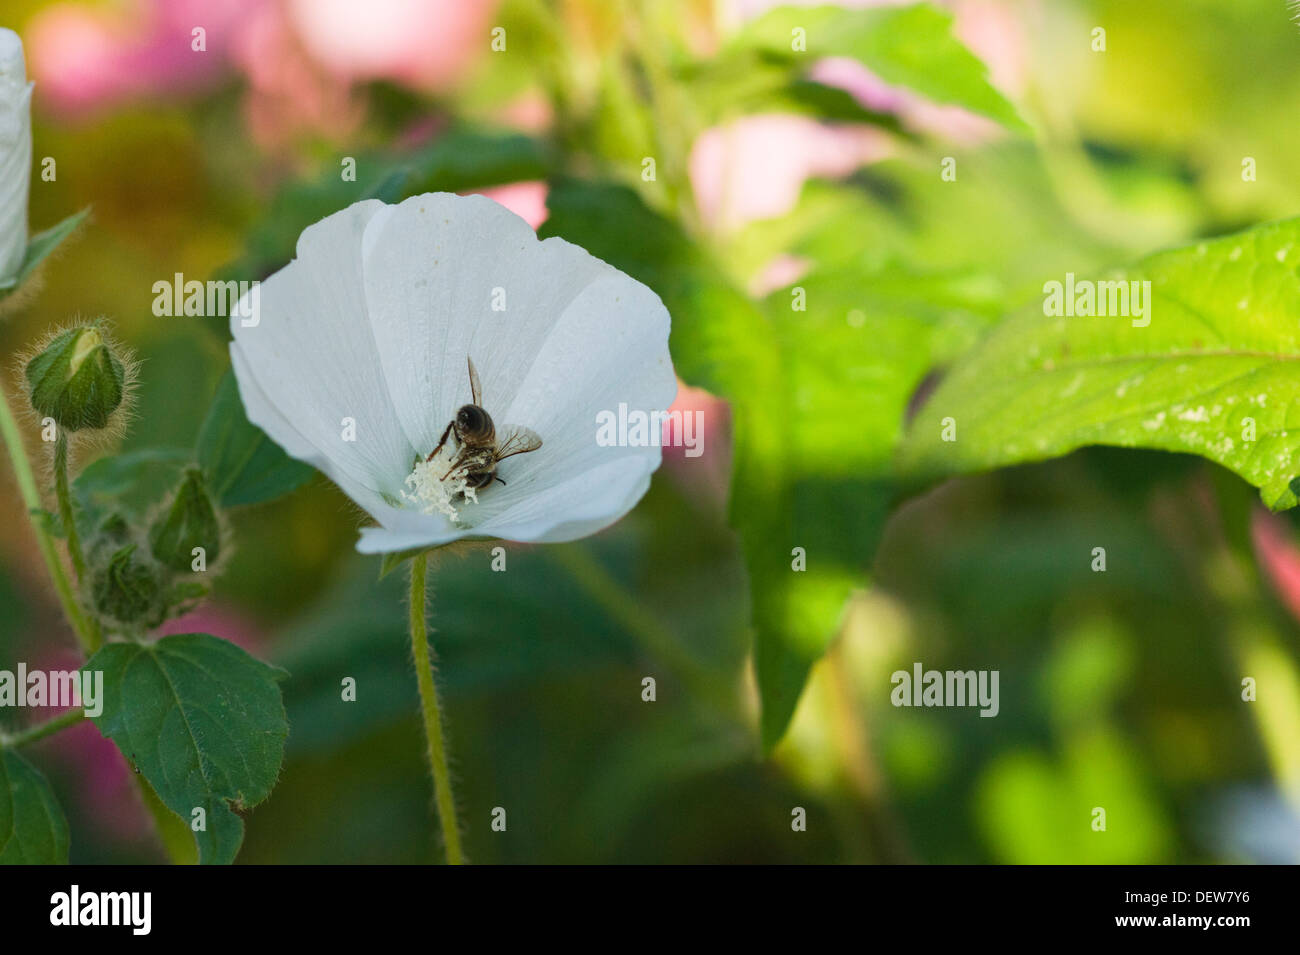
[1119, 690]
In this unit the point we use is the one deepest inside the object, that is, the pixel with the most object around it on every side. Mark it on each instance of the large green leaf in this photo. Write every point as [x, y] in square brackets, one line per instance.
[33, 829]
[749, 82]
[907, 46]
[721, 340]
[243, 465]
[205, 724]
[818, 398]
[850, 361]
[467, 158]
[1217, 359]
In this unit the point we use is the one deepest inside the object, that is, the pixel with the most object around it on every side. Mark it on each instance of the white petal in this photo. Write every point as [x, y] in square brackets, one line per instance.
[407, 529]
[584, 504]
[576, 337]
[587, 365]
[313, 359]
[15, 153]
[581, 505]
[375, 319]
[433, 266]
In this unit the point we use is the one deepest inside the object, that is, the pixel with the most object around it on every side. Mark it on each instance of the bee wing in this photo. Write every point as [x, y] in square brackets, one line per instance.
[458, 465]
[517, 440]
[475, 388]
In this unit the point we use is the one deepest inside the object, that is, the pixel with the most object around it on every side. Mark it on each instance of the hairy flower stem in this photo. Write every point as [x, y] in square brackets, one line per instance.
[432, 717]
[86, 630]
[64, 495]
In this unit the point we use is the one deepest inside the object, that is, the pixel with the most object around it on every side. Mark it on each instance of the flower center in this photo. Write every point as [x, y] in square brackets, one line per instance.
[436, 486]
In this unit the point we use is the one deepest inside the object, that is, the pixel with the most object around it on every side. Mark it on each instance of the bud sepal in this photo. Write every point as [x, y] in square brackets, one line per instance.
[78, 379]
[189, 529]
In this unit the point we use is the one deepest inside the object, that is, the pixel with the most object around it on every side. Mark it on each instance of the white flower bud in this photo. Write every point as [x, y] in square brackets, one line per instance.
[15, 153]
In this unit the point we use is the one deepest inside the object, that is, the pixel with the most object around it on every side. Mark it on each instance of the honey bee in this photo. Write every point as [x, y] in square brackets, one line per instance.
[479, 452]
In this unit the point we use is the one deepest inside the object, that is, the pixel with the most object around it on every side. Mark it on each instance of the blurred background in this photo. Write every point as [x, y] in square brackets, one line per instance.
[1120, 689]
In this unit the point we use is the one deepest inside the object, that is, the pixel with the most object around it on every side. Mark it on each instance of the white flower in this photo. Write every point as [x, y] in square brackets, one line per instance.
[15, 153]
[358, 361]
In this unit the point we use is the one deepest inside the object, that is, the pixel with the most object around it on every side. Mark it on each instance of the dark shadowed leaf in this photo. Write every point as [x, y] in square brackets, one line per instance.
[243, 465]
[33, 830]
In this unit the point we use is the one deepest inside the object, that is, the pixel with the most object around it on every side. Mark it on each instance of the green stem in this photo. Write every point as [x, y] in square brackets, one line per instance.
[41, 730]
[672, 113]
[86, 631]
[64, 495]
[432, 717]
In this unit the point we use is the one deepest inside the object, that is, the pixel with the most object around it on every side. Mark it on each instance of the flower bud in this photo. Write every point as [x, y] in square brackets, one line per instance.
[189, 522]
[77, 380]
[15, 155]
[126, 589]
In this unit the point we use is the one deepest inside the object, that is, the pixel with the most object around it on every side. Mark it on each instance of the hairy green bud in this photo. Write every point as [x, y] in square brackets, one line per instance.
[189, 523]
[77, 380]
[126, 589]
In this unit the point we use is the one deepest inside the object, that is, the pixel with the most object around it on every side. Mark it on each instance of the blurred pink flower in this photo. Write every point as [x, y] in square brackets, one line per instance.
[85, 58]
[220, 621]
[424, 43]
[530, 113]
[996, 33]
[705, 472]
[990, 28]
[525, 199]
[755, 167]
[915, 111]
[289, 95]
[1278, 556]
[782, 271]
[301, 57]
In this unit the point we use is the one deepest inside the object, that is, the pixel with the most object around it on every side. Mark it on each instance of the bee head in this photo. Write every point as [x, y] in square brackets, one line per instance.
[473, 422]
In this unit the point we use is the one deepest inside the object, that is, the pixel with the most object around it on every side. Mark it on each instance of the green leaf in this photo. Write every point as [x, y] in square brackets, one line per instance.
[907, 46]
[33, 829]
[468, 158]
[720, 339]
[729, 87]
[818, 400]
[818, 476]
[243, 465]
[40, 246]
[129, 483]
[205, 724]
[1217, 359]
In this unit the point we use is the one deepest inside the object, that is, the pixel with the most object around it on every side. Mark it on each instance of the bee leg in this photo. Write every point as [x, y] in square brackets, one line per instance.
[441, 441]
[503, 483]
